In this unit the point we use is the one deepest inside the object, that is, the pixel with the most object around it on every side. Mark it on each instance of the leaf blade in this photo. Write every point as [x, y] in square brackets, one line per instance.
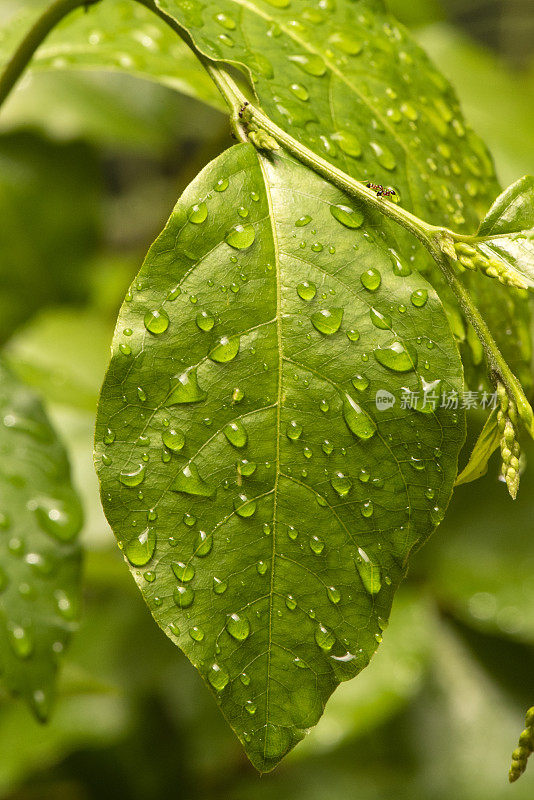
[277, 431]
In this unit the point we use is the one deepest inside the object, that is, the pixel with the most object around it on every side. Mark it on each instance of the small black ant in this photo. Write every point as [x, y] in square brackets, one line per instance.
[379, 189]
[242, 109]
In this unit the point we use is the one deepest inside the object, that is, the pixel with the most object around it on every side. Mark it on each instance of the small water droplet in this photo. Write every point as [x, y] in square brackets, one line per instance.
[384, 156]
[306, 290]
[316, 545]
[348, 142]
[371, 279]
[341, 484]
[238, 627]
[324, 638]
[243, 506]
[198, 213]
[173, 439]
[327, 320]
[205, 320]
[294, 430]
[311, 64]
[156, 321]
[184, 572]
[368, 572]
[291, 603]
[240, 236]
[218, 677]
[219, 586]
[236, 433]
[183, 596]
[419, 297]
[357, 420]
[334, 595]
[133, 477]
[185, 389]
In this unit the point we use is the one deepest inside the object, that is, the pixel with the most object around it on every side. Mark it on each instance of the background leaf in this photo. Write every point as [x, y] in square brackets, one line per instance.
[40, 517]
[246, 362]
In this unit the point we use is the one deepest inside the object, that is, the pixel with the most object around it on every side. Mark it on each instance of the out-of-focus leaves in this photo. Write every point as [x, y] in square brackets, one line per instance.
[118, 36]
[485, 446]
[49, 207]
[40, 517]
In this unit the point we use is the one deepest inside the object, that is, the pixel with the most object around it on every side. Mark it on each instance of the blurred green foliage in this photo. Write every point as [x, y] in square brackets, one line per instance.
[438, 712]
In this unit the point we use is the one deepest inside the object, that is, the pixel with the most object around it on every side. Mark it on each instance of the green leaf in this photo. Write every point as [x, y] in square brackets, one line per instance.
[267, 504]
[506, 234]
[118, 36]
[485, 446]
[351, 84]
[40, 517]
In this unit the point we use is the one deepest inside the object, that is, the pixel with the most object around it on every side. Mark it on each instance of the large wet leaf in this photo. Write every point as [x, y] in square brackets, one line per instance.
[349, 82]
[40, 517]
[117, 36]
[264, 478]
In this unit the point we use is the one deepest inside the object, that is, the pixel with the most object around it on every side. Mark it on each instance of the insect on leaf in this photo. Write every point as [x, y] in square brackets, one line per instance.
[40, 517]
[261, 471]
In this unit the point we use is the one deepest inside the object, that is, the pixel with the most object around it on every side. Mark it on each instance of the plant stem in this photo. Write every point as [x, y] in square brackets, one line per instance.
[35, 36]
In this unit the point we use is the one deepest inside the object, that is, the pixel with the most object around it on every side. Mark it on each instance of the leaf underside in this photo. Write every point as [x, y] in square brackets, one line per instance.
[40, 517]
[266, 506]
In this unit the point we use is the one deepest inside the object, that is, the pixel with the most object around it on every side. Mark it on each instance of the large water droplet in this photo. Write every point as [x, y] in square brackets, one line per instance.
[419, 297]
[183, 596]
[348, 217]
[156, 321]
[236, 433]
[379, 320]
[368, 572]
[205, 320]
[324, 638]
[133, 477]
[306, 290]
[341, 484]
[357, 420]
[327, 320]
[397, 357]
[240, 236]
[218, 677]
[173, 439]
[185, 389]
[360, 382]
[198, 213]
[244, 506]
[246, 468]
[226, 349]
[203, 544]
[348, 142]
[184, 572]
[189, 481]
[316, 545]
[238, 627]
[140, 549]
[311, 64]
[371, 279]
[384, 156]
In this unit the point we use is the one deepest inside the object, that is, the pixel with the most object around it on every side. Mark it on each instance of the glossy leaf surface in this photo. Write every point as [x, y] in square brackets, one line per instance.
[258, 466]
[350, 83]
[507, 230]
[40, 517]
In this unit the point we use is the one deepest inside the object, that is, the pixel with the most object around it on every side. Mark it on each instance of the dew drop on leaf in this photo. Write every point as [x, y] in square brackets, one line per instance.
[225, 350]
[419, 297]
[371, 279]
[205, 320]
[140, 549]
[294, 430]
[240, 236]
[311, 64]
[368, 572]
[306, 290]
[348, 142]
[236, 433]
[324, 638]
[243, 506]
[189, 481]
[203, 544]
[218, 677]
[397, 357]
[327, 320]
[173, 439]
[185, 389]
[156, 321]
[341, 484]
[184, 572]
[219, 586]
[183, 596]
[133, 477]
[198, 213]
[347, 216]
[238, 627]
[379, 320]
[357, 420]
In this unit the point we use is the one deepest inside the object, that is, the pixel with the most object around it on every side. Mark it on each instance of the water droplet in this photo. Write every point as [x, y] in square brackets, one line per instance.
[246, 468]
[226, 349]
[140, 549]
[262, 567]
[334, 595]
[221, 185]
[225, 21]
[218, 677]
[185, 389]
[306, 290]
[294, 430]
[397, 357]
[183, 596]
[184, 572]
[311, 64]
[59, 519]
[300, 91]
[109, 436]
[133, 477]
[238, 627]
[419, 297]
[327, 447]
[240, 236]
[324, 638]
[189, 520]
[347, 216]
[198, 213]
[341, 484]
[302, 221]
[291, 603]
[348, 142]
[219, 586]
[327, 320]
[236, 433]
[384, 156]
[400, 268]
[379, 320]
[353, 335]
[189, 481]
[205, 320]
[345, 43]
[156, 321]
[173, 439]
[243, 506]
[367, 509]
[21, 641]
[371, 279]
[196, 633]
[316, 545]
[357, 420]
[250, 707]
[368, 572]
[360, 382]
